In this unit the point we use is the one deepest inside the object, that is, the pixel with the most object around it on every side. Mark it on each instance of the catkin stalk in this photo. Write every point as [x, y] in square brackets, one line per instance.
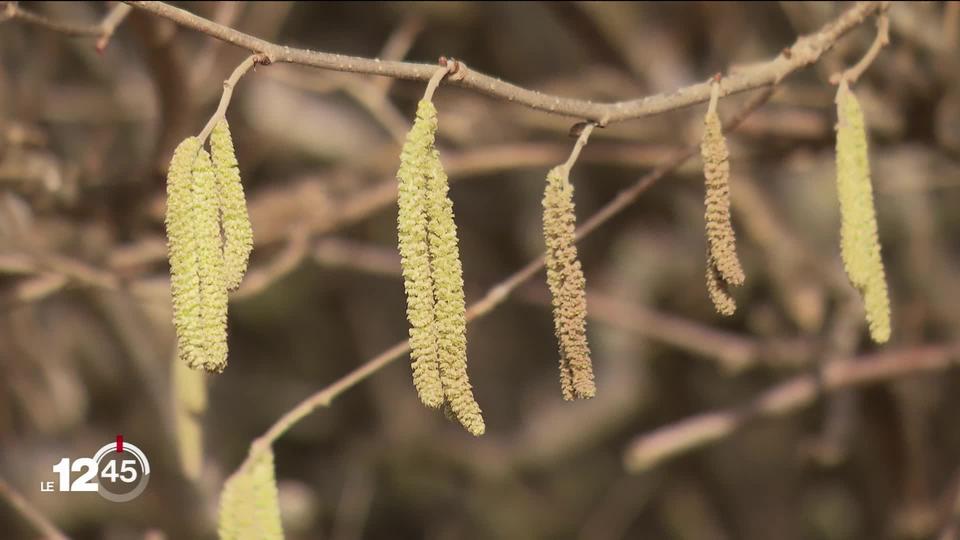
[567, 286]
[859, 240]
[237, 231]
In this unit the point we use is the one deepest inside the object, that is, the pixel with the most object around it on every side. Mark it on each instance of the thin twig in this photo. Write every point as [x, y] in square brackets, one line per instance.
[103, 30]
[110, 23]
[653, 448]
[228, 85]
[24, 508]
[883, 38]
[581, 142]
[805, 51]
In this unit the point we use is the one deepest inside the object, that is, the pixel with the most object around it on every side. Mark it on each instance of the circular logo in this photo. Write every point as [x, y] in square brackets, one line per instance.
[124, 471]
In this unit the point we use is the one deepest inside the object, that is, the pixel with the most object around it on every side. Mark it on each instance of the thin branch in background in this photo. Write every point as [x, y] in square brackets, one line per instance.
[805, 51]
[110, 23]
[29, 513]
[102, 30]
[655, 447]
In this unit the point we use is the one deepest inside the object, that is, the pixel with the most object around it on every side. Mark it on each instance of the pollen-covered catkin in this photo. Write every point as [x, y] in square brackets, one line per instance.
[415, 256]
[249, 503]
[716, 170]
[450, 306]
[859, 241]
[567, 286]
[722, 301]
[183, 255]
[209, 245]
[237, 232]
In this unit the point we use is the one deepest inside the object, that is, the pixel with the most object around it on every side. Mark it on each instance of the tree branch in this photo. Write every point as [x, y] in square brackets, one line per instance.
[805, 51]
[651, 449]
[103, 30]
[23, 507]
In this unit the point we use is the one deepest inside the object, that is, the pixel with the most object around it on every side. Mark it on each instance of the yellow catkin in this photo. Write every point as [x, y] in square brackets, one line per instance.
[237, 232]
[859, 241]
[722, 301]
[190, 401]
[716, 170]
[183, 253]
[567, 286]
[450, 306]
[249, 503]
[415, 257]
[209, 245]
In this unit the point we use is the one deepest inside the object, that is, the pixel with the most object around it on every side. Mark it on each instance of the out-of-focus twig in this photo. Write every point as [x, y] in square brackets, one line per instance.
[653, 448]
[103, 30]
[25, 509]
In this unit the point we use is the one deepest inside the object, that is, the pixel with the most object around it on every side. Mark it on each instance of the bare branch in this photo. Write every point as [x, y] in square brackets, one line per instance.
[805, 51]
[883, 38]
[651, 449]
[36, 519]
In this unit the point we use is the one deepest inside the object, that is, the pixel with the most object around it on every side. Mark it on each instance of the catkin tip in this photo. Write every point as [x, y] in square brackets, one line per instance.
[723, 302]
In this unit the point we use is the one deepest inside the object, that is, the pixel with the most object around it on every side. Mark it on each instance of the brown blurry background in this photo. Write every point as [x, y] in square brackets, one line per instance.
[86, 341]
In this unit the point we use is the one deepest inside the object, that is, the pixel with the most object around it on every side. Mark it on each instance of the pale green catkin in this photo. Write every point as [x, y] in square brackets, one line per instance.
[450, 306]
[716, 170]
[213, 289]
[415, 256]
[567, 286]
[249, 503]
[859, 242]
[182, 245]
[237, 232]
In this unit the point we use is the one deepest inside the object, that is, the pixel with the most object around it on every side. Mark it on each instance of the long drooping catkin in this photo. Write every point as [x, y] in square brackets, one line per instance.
[209, 245]
[415, 256]
[716, 170]
[249, 503]
[182, 245]
[450, 307]
[567, 286]
[237, 232]
[859, 242]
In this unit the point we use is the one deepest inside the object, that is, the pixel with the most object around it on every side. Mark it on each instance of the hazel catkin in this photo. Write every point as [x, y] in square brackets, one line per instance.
[859, 240]
[567, 286]
[237, 231]
[415, 256]
[182, 246]
[716, 170]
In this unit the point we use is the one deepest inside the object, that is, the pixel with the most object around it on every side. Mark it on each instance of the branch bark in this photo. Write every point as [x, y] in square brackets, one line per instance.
[805, 51]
